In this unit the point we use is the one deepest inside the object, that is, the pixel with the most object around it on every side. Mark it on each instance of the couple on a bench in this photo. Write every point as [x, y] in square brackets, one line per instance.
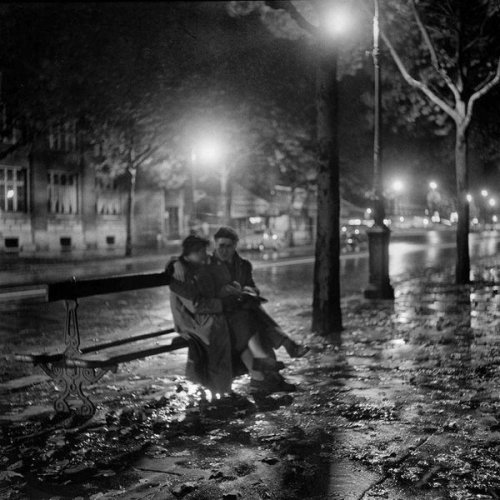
[217, 307]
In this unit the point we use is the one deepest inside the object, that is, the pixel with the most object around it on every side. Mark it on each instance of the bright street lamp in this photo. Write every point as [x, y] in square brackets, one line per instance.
[433, 185]
[211, 152]
[492, 202]
[338, 21]
[484, 193]
[398, 186]
[208, 151]
[469, 198]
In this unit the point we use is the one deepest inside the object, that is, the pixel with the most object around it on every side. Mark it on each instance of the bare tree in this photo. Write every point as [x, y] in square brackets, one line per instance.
[458, 39]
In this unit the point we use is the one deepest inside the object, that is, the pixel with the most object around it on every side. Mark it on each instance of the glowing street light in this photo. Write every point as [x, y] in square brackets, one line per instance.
[492, 202]
[469, 198]
[398, 186]
[484, 193]
[433, 185]
[338, 21]
[208, 151]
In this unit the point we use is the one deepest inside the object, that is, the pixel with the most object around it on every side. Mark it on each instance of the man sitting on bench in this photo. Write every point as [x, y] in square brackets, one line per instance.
[248, 321]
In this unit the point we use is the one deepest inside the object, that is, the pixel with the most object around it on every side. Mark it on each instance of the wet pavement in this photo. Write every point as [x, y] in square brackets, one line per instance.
[285, 279]
[406, 405]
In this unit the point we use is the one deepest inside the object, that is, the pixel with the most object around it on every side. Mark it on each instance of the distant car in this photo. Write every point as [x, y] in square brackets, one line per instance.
[353, 239]
[261, 240]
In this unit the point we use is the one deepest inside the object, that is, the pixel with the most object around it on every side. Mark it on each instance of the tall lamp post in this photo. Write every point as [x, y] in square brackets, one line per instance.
[194, 212]
[379, 286]
[210, 152]
[225, 194]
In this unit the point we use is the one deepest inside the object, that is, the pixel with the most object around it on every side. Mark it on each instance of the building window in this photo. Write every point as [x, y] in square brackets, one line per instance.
[13, 189]
[62, 136]
[109, 197]
[63, 193]
[173, 223]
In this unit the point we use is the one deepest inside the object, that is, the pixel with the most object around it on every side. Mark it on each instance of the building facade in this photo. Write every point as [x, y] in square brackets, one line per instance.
[53, 200]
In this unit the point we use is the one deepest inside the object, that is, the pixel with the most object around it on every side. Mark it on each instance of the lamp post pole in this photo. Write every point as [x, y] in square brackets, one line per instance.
[193, 190]
[379, 286]
[225, 194]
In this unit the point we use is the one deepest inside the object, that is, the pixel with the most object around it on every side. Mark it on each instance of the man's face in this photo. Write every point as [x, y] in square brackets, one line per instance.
[198, 257]
[225, 248]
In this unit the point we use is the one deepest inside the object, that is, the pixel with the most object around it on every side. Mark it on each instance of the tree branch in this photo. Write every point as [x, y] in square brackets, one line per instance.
[12, 148]
[481, 91]
[432, 52]
[288, 6]
[450, 111]
[148, 152]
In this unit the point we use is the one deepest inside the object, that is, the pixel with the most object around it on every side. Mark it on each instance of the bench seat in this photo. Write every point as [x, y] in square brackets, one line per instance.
[111, 353]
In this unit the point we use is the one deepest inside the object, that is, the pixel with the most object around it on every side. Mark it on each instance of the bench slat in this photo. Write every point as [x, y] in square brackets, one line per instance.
[117, 348]
[128, 340]
[36, 358]
[123, 356]
[75, 289]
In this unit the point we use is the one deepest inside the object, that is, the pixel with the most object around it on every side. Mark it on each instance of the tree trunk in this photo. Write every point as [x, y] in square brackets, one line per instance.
[130, 210]
[462, 177]
[327, 317]
[290, 238]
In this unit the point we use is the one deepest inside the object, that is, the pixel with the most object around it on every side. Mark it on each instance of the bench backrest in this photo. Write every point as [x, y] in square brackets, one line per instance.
[73, 289]
[76, 289]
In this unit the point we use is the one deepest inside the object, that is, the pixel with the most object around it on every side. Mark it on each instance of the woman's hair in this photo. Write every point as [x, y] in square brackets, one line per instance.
[193, 243]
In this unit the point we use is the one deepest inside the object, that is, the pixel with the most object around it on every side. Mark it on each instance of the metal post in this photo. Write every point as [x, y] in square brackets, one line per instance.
[225, 195]
[379, 286]
[194, 212]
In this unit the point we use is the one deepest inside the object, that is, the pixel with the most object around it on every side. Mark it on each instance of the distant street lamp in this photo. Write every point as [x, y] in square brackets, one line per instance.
[433, 185]
[469, 198]
[338, 21]
[379, 286]
[396, 189]
[484, 193]
[398, 186]
[492, 202]
[209, 152]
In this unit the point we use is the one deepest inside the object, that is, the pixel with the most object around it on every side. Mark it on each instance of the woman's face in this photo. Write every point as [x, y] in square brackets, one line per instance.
[198, 257]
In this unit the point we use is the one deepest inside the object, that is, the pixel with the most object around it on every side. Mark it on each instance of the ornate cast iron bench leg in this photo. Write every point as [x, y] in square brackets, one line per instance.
[72, 379]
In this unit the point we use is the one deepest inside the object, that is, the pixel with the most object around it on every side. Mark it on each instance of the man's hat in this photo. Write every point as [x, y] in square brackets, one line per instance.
[194, 243]
[226, 232]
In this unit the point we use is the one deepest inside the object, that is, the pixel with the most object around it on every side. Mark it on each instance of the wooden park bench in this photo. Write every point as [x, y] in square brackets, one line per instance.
[76, 366]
